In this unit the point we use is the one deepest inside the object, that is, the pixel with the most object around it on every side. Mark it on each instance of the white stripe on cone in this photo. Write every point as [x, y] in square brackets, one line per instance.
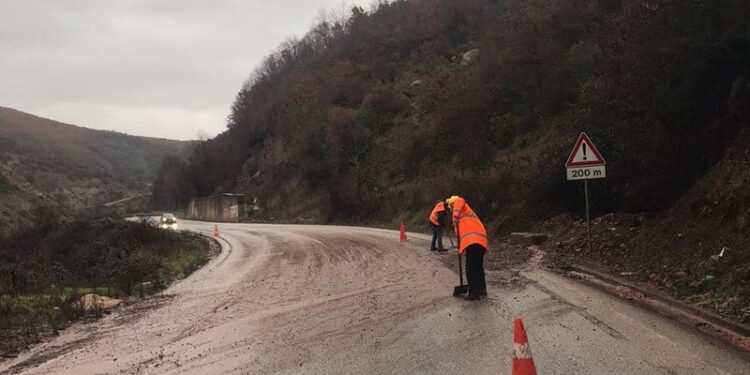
[522, 351]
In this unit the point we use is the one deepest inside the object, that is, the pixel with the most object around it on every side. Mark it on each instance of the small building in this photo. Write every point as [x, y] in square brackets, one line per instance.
[223, 207]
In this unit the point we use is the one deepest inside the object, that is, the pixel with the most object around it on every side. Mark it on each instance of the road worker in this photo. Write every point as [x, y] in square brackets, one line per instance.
[472, 241]
[437, 220]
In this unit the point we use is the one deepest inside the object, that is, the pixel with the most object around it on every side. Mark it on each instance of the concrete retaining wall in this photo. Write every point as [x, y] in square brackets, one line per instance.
[220, 207]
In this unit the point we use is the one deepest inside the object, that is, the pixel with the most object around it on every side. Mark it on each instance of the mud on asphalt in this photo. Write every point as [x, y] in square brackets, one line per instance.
[503, 264]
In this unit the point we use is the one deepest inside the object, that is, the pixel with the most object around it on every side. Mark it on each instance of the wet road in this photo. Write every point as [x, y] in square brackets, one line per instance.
[338, 300]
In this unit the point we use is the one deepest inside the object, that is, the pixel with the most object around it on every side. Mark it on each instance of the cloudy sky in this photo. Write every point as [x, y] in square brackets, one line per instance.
[162, 68]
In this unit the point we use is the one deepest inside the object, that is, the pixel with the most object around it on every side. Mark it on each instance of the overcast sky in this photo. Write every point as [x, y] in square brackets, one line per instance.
[162, 68]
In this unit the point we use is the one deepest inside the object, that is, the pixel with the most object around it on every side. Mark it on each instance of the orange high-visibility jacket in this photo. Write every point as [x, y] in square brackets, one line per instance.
[469, 229]
[435, 215]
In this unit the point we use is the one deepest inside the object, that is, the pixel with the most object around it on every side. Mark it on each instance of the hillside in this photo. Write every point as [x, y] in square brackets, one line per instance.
[50, 168]
[372, 116]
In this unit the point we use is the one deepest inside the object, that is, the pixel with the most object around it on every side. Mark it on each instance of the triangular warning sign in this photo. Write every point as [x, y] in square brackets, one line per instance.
[584, 154]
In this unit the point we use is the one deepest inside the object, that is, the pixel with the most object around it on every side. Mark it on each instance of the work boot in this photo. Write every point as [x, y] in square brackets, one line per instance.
[472, 297]
[442, 250]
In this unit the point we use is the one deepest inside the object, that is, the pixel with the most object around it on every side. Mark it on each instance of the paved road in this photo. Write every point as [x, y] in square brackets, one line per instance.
[336, 300]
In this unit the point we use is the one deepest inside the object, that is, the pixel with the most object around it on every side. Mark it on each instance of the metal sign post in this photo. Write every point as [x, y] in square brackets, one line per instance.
[588, 216]
[586, 163]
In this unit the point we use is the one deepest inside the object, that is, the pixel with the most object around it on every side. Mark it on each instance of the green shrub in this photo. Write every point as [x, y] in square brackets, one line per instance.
[42, 267]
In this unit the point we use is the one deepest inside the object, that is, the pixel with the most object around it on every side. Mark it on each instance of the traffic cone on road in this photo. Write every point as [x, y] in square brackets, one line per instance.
[403, 232]
[523, 364]
[216, 231]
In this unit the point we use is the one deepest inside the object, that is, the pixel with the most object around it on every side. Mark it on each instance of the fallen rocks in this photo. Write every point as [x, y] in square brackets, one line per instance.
[469, 57]
[89, 303]
[727, 305]
[627, 293]
[10, 355]
[679, 278]
[527, 239]
[700, 263]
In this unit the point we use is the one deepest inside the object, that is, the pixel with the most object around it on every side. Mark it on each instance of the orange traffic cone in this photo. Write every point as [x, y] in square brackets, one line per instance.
[403, 232]
[523, 364]
[216, 231]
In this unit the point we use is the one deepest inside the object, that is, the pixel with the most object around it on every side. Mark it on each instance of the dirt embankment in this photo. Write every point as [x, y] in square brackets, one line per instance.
[691, 259]
[697, 251]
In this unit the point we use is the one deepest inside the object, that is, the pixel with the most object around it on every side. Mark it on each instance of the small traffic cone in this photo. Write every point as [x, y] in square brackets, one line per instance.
[523, 363]
[216, 231]
[403, 232]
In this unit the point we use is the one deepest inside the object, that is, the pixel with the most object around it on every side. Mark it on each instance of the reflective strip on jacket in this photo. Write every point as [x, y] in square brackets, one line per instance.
[469, 229]
[435, 215]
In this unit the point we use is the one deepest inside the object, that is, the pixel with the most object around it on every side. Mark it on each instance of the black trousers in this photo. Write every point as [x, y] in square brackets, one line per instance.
[475, 270]
[437, 237]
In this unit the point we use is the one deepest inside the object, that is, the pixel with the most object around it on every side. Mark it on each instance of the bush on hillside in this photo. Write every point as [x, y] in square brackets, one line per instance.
[108, 254]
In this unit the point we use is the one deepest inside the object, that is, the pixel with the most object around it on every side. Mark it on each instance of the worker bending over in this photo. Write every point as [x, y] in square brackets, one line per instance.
[437, 219]
[472, 240]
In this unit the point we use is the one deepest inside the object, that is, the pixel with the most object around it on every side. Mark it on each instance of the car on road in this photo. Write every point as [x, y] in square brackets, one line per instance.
[168, 221]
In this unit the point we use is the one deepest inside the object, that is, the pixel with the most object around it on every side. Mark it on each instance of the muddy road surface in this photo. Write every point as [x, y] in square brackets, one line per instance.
[337, 300]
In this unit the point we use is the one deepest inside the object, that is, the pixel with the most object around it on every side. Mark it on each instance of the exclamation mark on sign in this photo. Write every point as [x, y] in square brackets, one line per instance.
[585, 157]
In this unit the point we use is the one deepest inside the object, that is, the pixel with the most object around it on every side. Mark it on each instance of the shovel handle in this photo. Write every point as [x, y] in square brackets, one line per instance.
[450, 238]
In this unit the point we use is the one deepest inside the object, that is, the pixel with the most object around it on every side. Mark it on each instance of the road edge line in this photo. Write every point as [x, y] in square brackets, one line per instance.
[712, 326]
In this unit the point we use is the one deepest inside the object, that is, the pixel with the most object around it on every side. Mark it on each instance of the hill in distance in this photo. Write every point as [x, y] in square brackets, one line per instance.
[48, 166]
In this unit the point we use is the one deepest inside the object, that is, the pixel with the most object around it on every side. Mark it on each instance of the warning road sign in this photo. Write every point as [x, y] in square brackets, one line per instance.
[585, 162]
[584, 154]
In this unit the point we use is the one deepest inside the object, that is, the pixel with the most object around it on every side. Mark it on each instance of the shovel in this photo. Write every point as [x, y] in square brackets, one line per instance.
[451, 239]
[461, 288]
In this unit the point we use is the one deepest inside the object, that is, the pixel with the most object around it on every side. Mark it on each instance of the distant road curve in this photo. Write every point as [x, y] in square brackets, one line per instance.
[125, 200]
[293, 299]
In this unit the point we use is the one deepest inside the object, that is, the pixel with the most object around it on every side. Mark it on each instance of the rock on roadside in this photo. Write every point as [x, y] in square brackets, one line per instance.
[92, 302]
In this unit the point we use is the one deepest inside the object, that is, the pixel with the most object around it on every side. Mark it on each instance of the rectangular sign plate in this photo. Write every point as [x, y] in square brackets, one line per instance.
[587, 173]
